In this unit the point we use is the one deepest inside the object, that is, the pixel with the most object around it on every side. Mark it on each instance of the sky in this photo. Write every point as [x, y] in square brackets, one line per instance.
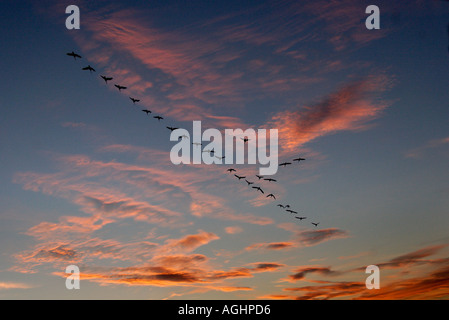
[86, 177]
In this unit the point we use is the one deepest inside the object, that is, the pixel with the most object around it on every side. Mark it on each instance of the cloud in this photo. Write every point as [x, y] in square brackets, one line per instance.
[271, 246]
[191, 242]
[180, 260]
[184, 81]
[189, 271]
[193, 76]
[345, 289]
[84, 251]
[229, 288]
[302, 272]
[14, 285]
[341, 23]
[233, 230]
[433, 286]
[305, 238]
[425, 283]
[413, 258]
[361, 254]
[112, 191]
[314, 237]
[421, 151]
[73, 124]
[266, 266]
[349, 108]
[275, 297]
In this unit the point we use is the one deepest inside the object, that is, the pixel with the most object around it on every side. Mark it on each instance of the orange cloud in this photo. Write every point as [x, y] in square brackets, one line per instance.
[350, 108]
[302, 272]
[83, 251]
[230, 289]
[271, 246]
[14, 285]
[426, 284]
[432, 286]
[420, 151]
[341, 23]
[233, 229]
[328, 291]
[178, 270]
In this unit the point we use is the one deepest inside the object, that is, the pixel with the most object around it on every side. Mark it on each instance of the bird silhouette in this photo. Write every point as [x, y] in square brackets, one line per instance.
[89, 68]
[285, 164]
[74, 55]
[106, 79]
[258, 188]
[119, 87]
[230, 170]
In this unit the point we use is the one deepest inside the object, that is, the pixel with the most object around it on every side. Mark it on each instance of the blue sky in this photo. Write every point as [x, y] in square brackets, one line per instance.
[86, 177]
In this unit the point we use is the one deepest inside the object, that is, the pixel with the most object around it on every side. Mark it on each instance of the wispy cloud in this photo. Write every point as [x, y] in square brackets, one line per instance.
[421, 151]
[314, 237]
[302, 272]
[271, 246]
[191, 242]
[14, 285]
[73, 124]
[428, 283]
[349, 108]
[434, 285]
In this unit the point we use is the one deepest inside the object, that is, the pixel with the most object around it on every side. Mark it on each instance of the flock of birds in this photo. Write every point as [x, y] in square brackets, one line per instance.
[251, 184]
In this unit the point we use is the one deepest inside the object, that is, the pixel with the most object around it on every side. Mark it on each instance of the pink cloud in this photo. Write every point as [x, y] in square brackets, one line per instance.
[271, 246]
[348, 109]
[233, 230]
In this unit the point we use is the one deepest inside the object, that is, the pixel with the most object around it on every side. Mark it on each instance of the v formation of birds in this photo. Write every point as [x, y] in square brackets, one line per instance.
[286, 207]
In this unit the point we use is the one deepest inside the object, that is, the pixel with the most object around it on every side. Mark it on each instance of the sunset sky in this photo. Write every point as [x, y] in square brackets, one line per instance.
[86, 177]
